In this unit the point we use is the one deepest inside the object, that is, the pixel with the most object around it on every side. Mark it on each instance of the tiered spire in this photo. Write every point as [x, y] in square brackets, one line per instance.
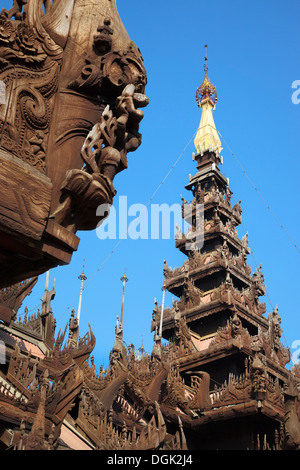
[207, 137]
[218, 325]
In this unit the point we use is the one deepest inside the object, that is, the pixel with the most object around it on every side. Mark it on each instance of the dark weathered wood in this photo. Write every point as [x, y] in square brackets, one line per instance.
[12, 298]
[25, 198]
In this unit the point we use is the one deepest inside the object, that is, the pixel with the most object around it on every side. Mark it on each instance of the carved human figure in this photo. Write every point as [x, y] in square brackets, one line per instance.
[236, 325]
[182, 336]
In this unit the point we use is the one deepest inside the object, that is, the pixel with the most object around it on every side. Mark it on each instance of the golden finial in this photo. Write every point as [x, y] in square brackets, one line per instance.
[206, 90]
[207, 137]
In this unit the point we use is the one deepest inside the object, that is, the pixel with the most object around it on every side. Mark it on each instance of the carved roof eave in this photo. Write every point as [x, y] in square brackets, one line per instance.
[25, 332]
[212, 354]
[24, 405]
[206, 270]
[15, 412]
[276, 369]
[11, 298]
[207, 172]
[190, 209]
[68, 423]
[24, 335]
[85, 431]
[56, 365]
[225, 349]
[265, 407]
[14, 392]
[226, 412]
[213, 307]
[210, 234]
[14, 409]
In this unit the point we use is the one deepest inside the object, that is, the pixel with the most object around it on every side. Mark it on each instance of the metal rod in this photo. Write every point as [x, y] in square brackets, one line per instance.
[124, 279]
[82, 277]
[162, 311]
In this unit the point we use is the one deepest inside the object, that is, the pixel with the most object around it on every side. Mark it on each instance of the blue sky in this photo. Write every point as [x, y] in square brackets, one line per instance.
[253, 61]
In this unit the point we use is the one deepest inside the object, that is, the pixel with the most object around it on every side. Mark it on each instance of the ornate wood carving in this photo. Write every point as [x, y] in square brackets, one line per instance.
[73, 85]
[233, 332]
[11, 299]
[271, 340]
[292, 414]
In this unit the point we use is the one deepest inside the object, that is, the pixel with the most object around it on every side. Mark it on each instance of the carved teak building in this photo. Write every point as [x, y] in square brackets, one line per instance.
[220, 380]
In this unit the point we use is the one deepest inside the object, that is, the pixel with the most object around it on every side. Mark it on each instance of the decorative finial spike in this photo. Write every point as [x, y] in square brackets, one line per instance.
[124, 277]
[205, 64]
[82, 275]
[206, 90]
[82, 278]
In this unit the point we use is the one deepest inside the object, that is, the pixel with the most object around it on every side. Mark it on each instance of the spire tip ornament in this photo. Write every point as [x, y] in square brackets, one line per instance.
[124, 278]
[207, 137]
[82, 276]
[206, 90]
